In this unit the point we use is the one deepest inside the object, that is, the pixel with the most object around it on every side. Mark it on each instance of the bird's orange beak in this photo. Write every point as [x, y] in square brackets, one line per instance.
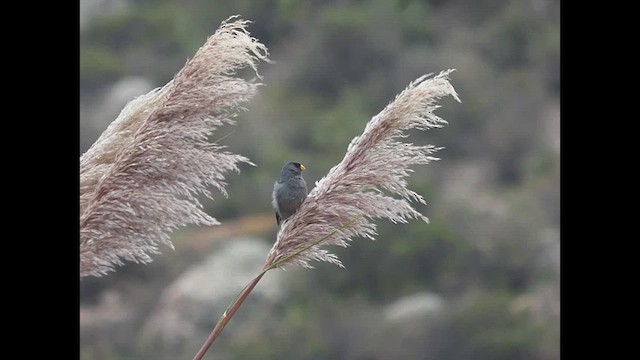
[302, 167]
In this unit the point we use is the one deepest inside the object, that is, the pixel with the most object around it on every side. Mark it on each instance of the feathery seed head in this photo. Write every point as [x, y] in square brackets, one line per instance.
[362, 186]
[142, 177]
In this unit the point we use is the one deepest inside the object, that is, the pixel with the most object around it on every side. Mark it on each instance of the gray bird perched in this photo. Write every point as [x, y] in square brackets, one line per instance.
[289, 191]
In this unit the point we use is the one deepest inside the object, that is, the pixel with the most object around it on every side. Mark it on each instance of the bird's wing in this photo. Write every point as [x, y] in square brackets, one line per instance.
[274, 194]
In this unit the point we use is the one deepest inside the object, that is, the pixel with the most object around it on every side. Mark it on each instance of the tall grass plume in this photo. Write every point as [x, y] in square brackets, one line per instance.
[369, 183]
[142, 178]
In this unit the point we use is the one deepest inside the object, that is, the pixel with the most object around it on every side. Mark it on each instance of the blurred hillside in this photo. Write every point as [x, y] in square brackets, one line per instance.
[481, 281]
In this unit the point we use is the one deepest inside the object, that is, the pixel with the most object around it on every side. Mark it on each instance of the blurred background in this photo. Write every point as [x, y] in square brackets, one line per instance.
[481, 281]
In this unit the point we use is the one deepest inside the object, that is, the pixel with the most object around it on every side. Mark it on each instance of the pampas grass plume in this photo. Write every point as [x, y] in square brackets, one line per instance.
[142, 178]
[369, 183]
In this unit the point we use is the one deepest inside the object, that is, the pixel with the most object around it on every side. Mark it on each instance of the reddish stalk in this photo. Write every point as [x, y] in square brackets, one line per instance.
[232, 309]
[226, 317]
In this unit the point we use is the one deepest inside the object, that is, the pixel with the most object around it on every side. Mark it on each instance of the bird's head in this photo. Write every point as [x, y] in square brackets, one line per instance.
[293, 168]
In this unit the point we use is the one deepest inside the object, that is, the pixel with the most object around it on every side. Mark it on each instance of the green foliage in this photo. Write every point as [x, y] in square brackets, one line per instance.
[98, 65]
[491, 329]
[410, 258]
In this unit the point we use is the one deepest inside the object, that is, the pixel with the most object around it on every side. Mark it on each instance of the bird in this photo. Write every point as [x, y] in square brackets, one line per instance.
[289, 192]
